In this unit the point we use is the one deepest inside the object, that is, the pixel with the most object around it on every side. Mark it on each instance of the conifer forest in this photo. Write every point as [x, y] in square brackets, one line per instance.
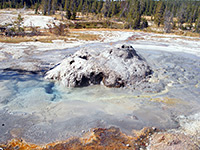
[167, 13]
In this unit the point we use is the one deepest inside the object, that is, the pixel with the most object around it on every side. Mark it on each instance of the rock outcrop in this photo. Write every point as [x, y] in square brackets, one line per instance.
[117, 67]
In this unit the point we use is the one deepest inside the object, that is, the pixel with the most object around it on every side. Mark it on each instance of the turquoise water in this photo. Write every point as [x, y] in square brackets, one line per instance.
[46, 111]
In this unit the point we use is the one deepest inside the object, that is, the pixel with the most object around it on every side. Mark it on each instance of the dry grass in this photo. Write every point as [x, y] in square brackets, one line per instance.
[4, 39]
[48, 38]
[101, 29]
[85, 36]
[19, 39]
[174, 32]
[187, 33]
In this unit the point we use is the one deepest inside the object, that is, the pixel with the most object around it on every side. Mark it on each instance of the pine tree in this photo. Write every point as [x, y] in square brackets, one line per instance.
[44, 7]
[197, 25]
[36, 7]
[94, 7]
[19, 23]
[168, 21]
[130, 12]
[159, 14]
[134, 16]
[85, 7]
[136, 22]
[68, 14]
[80, 6]
[73, 17]
[144, 23]
[73, 5]
[193, 15]
[90, 6]
[67, 4]
[100, 5]
[49, 7]
[106, 8]
[123, 8]
[54, 6]
[182, 15]
[147, 8]
[114, 9]
[142, 6]
[151, 7]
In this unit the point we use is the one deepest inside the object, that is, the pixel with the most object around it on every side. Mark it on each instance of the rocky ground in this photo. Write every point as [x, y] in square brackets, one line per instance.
[112, 138]
[84, 116]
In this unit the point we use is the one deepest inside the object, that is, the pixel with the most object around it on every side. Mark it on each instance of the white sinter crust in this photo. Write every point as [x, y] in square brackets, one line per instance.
[117, 67]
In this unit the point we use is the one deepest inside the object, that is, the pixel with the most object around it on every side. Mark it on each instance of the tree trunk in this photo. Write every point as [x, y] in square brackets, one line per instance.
[49, 7]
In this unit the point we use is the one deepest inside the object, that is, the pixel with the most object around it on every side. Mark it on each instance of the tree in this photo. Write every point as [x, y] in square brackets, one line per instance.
[168, 21]
[113, 8]
[49, 7]
[85, 7]
[44, 7]
[186, 11]
[16, 29]
[67, 4]
[54, 7]
[60, 29]
[133, 14]
[73, 17]
[68, 14]
[36, 7]
[136, 21]
[100, 5]
[19, 23]
[94, 7]
[106, 8]
[151, 7]
[142, 6]
[80, 6]
[147, 8]
[144, 23]
[197, 25]
[181, 15]
[159, 14]
[132, 9]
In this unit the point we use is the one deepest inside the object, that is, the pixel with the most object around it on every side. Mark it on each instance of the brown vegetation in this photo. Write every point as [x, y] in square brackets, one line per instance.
[48, 37]
[98, 138]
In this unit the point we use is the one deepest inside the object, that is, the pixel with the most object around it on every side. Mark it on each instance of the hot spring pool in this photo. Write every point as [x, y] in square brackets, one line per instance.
[42, 111]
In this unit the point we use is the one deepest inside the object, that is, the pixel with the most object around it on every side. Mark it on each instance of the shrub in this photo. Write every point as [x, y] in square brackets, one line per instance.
[59, 29]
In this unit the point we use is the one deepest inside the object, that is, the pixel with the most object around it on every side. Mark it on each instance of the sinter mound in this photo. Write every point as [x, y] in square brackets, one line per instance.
[116, 67]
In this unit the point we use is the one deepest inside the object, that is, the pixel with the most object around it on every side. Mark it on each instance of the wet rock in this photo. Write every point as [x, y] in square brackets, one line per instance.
[117, 67]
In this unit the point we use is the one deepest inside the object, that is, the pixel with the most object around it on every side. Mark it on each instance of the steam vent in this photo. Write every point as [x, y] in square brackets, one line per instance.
[116, 67]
